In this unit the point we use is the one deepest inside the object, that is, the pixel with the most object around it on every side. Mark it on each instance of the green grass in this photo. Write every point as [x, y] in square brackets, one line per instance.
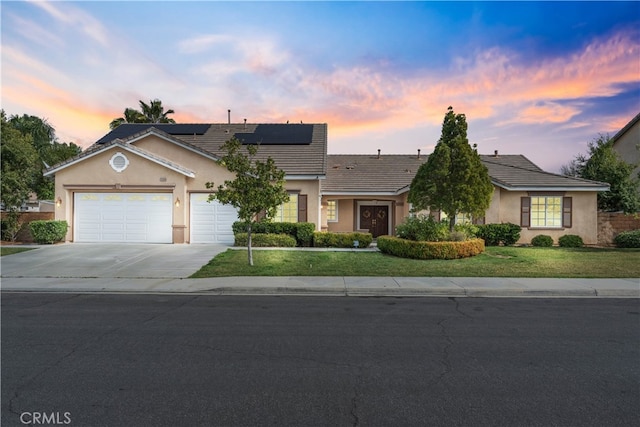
[495, 262]
[11, 250]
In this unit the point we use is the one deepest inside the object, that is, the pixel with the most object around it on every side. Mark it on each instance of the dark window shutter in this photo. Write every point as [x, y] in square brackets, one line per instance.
[525, 211]
[479, 221]
[437, 215]
[567, 207]
[261, 215]
[302, 208]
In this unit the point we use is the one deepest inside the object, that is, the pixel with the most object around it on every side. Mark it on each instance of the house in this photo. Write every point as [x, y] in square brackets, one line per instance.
[147, 183]
[627, 143]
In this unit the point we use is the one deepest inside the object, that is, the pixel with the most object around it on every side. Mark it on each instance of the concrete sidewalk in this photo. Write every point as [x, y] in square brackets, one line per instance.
[337, 286]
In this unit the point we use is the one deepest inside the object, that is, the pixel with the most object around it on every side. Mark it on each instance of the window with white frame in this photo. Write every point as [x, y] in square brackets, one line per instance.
[332, 210]
[546, 211]
[461, 218]
[288, 211]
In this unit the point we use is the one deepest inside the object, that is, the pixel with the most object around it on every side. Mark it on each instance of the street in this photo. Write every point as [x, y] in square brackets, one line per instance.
[173, 360]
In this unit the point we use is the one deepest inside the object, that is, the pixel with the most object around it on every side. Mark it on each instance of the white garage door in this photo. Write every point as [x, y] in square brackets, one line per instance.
[123, 217]
[211, 222]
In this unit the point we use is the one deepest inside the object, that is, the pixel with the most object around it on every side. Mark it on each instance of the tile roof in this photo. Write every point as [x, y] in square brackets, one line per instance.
[392, 174]
[298, 149]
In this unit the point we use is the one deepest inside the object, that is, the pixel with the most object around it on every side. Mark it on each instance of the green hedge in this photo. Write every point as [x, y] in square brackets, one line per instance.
[429, 250]
[48, 232]
[302, 232]
[265, 240]
[495, 234]
[323, 239]
[628, 239]
[570, 241]
[542, 241]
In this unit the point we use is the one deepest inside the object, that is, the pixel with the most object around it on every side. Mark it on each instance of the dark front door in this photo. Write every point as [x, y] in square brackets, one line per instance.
[375, 219]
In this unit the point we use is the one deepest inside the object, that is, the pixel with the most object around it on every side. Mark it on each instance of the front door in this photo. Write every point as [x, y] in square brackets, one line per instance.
[375, 219]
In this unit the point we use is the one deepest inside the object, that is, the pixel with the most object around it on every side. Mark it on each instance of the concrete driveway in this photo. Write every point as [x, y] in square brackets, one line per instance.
[113, 260]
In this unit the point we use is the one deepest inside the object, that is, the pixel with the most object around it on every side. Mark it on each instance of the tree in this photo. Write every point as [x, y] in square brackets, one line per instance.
[258, 186]
[453, 180]
[153, 112]
[19, 169]
[604, 164]
[49, 150]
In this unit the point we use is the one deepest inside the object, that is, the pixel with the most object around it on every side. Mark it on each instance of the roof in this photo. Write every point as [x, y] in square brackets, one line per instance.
[626, 128]
[298, 149]
[392, 174]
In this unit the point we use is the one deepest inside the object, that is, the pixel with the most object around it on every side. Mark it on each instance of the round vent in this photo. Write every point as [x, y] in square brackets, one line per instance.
[119, 162]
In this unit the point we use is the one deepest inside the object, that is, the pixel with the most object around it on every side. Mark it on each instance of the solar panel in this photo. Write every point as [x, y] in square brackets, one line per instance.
[278, 134]
[125, 130]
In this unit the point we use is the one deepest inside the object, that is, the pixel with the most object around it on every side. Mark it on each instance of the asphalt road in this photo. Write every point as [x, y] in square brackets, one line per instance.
[174, 360]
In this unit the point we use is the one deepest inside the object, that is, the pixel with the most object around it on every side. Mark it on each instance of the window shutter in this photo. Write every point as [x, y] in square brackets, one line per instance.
[567, 205]
[479, 221]
[302, 208]
[525, 211]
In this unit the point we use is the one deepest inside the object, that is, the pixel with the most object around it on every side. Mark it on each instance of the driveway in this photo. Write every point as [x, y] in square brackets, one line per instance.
[99, 260]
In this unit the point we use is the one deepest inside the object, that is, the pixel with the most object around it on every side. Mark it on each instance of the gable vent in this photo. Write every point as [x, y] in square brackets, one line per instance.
[119, 162]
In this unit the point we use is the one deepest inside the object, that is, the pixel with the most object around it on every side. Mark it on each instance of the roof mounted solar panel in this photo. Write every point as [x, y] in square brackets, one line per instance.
[126, 130]
[278, 134]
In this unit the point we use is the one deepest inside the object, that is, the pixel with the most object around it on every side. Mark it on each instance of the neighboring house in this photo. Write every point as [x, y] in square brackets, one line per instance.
[146, 183]
[627, 143]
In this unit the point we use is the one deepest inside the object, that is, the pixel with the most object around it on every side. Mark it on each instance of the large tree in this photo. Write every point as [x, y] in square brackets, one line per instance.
[153, 112]
[258, 185]
[453, 180]
[602, 163]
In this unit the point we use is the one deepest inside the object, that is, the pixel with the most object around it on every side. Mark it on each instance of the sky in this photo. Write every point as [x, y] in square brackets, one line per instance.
[542, 79]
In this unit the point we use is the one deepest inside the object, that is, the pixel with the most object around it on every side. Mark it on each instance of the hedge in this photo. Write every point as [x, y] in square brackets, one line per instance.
[494, 234]
[628, 239]
[429, 250]
[265, 240]
[323, 239]
[302, 232]
[48, 232]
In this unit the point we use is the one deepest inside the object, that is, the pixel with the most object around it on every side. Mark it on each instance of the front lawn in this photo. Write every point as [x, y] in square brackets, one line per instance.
[495, 262]
[12, 250]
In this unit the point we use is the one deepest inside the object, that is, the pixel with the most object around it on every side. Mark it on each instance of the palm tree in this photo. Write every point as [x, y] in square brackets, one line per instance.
[148, 113]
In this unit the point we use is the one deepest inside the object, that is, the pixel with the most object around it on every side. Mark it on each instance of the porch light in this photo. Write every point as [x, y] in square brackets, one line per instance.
[58, 202]
[177, 202]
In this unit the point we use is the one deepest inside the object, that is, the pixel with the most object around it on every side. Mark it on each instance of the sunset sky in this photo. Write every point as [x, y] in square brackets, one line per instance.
[535, 78]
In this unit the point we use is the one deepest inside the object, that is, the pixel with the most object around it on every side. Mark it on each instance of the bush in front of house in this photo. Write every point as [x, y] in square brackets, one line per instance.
[542, 241]
[628, 239]
[429, 250]
[496, 234]
[10, 226]
[423, 228]
[48, 232]
[265, 240]
[302, 232]
[570, 241]
[324, 239]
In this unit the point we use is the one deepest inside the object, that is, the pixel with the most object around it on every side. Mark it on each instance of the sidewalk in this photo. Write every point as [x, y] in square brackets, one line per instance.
[337, 286]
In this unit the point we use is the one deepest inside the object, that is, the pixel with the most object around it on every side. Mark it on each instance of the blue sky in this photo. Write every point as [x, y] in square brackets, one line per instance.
[535, 78]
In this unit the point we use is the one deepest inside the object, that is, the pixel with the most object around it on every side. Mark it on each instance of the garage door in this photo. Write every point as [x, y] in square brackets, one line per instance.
[123, 217]
[211, 222]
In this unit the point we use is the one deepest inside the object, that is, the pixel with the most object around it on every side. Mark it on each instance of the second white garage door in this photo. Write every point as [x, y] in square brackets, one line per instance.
[211, 222]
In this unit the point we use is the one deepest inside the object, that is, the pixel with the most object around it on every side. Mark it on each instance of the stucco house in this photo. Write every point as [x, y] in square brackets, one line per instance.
[146, 183]
[627, 143]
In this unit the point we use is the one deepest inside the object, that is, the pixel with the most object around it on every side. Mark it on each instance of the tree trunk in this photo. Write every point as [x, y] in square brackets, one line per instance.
[452, 222]
[249, 251]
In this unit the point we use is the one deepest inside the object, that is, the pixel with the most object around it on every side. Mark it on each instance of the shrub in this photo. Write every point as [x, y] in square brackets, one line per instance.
[495, 234]
[628, 239]
[542, 240]
[265, 240]
[48, 232]
[423, 228]
[570, 241]
[10, 226]
[302, 232]
[429, 250]
[457, 236]
[323, 239]
[469, 230]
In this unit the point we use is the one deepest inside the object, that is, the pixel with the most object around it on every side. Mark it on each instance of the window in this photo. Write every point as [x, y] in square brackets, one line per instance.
[546, 211]
[461, 218]
[288, 211]
[332, 211]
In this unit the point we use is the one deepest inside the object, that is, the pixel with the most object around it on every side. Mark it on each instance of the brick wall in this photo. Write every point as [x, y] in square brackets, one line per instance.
[24, 235]
[610, 224]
